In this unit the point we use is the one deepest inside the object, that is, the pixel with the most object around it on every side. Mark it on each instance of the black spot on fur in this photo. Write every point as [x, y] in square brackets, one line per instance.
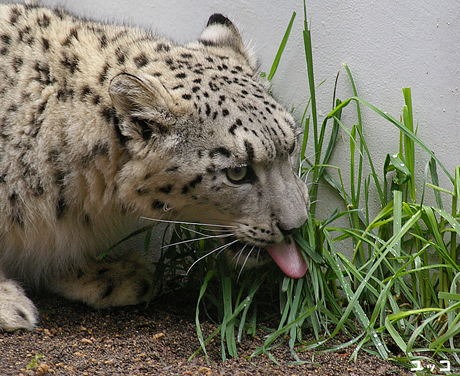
[63, 95]
[141, 60]
[21, 314]
[5, 39]
[103, 41]
[70, 63]
[157, 205]
[211, 169]
[13, 198]
[187, 97]
[103, 76]
[181, 75]
[220, 150]
[15, 13]
[166, 189]
[72, 35]
[232, 129]
[17, 64]
[59, 13]
[198, 179]
[46, 44]
[53, 156]
[108, 291]
[161, 47]
[43, 70]
[25, 35]
[85, 91]
[225, 112]
[96, 99]
[249, 150]
[121, 56]
[43, 21]
[108, 113]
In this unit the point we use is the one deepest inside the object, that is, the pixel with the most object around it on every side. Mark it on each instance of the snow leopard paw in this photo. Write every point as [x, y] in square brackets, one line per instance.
[16, 310]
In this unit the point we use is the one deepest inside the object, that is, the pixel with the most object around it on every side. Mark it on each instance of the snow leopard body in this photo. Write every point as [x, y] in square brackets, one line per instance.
[101, 125]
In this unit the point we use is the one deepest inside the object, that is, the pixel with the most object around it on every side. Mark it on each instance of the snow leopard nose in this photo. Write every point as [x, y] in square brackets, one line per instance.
[283, 229]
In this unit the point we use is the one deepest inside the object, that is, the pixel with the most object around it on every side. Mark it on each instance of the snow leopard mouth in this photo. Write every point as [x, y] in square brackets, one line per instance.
[286, 255]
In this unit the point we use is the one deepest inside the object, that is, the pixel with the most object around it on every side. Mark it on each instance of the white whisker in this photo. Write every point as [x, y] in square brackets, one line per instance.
[239, 253]
[193, 240]
[187, 223]
[221, 249]
[245, 261]
[205, 229]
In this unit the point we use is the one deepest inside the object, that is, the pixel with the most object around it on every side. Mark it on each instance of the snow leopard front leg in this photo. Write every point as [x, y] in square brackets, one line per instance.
[109, 283]
[16, 310]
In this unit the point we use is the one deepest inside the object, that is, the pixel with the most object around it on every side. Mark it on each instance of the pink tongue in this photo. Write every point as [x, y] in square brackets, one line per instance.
[288, 258]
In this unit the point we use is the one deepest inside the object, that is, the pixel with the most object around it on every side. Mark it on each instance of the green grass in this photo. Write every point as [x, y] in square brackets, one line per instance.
[400, 286]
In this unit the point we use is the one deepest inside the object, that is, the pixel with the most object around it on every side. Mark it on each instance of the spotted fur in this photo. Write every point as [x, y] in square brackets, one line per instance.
[103, 124]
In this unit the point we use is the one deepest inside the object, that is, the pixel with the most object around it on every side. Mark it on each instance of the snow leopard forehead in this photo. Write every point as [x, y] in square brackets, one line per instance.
[227, 98]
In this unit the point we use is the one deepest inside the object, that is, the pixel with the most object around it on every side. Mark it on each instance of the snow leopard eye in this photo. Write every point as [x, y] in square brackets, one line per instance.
[237, 175]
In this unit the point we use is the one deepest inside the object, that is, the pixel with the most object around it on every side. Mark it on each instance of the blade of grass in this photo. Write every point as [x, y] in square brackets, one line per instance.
[396, 123]
[409, 150]
[281, 48]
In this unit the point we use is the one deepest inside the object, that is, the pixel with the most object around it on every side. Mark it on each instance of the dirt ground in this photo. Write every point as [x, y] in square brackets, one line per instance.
[73, 339]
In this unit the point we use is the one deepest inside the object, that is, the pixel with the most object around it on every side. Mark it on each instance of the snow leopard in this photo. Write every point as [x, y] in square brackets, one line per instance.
[102, 125]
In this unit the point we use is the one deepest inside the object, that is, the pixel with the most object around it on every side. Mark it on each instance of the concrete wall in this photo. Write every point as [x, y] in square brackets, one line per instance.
[388, 45]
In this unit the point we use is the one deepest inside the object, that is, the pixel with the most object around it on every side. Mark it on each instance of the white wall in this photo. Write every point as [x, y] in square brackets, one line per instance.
[388, 45]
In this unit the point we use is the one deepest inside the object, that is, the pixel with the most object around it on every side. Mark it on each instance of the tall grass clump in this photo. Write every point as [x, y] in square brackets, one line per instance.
[397, 297]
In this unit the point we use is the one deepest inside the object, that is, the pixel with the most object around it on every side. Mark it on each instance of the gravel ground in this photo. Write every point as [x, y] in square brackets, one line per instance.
[73, 339]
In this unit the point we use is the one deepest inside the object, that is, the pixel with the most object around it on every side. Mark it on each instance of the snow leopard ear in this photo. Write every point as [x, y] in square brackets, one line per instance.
[220, 32]
[132, 94]
[146, 107]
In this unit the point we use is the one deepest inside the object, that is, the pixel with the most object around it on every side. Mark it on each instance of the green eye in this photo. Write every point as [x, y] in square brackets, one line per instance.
[237, 175]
